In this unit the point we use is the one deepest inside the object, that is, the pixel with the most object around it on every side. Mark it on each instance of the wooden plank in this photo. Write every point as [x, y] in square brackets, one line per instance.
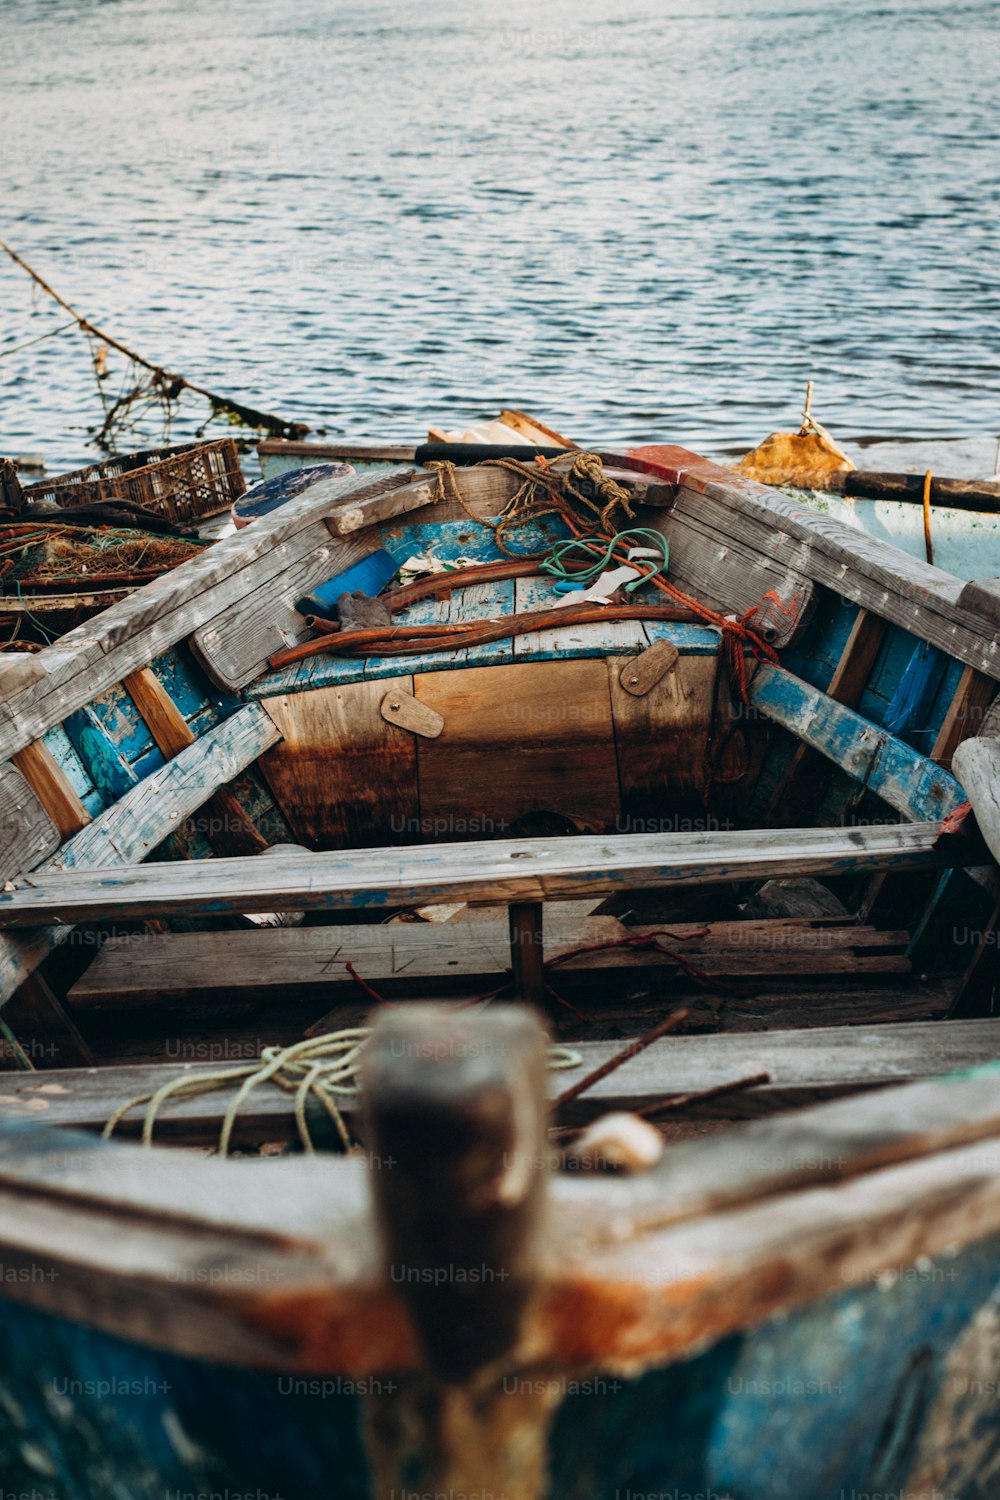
[92, 658]
[141, 820]
[192, 965]
[485, 601]
[617, 637]
[170, 730]
[500, 870]
[231, 830]
[342, 775]
[43, 1026]
[800, 1063]
[977, 762]
[732, 576]
[638, 1274]
[874, 574]
[27, 833]
[235, 646]
[52, 787]
[797, 787]
[966, 714]
[661, 741]
[406, 958]
[529, 738]
[857, 660]
[327, 671]
[831, 1141]
[907, 780]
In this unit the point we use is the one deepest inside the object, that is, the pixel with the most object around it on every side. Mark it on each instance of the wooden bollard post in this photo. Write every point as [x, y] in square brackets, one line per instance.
[456, 1121]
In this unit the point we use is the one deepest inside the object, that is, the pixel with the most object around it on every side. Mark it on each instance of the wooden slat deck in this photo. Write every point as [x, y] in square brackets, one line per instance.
[513, 870]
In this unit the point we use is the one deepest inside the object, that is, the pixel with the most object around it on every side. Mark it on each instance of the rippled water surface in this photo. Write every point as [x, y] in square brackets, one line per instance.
[637, 220]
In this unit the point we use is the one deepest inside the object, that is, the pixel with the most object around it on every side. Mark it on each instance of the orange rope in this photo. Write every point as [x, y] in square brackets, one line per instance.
[928, 546]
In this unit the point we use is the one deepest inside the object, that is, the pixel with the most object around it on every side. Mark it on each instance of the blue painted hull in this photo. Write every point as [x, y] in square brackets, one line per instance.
[887, 1388]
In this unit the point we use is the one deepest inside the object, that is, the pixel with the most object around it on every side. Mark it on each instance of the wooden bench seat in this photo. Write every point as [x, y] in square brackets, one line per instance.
[507, 870]
[406, 959]
[803, 1066]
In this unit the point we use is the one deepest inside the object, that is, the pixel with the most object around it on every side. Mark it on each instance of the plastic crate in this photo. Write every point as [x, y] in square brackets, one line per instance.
[183, 483]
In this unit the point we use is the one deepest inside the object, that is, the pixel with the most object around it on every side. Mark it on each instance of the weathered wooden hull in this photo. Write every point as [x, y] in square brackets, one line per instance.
[829, 1336]
[965, 543]
[885, 1388]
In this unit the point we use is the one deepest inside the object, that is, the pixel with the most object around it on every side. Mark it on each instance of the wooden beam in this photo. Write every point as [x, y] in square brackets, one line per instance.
[900, 775]
[850, 677]
[287, 1276]
[803, 1063]
[231, 829]
[44, 1028]
[52, 787]
[456, 1103]
[402, 958]
[966, 713]
[27, 833]
[731, 574]
[170, 730]
[874, 574]
[977, 762]
[140, 821]
[502, 870]
[526, 952]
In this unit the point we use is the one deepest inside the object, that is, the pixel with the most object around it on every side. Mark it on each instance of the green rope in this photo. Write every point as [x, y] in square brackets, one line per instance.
[601, 551]
[323, 1068]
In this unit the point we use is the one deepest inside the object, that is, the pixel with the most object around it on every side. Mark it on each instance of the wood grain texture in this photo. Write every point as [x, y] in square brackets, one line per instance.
[800, 1063]
[52, 787]
[95, 656]
[526, 738]
[234, 647]
[27, 833]
[270, 962]
[727, 572]
[231, 829]
[342, 775]
[977, 762]
[403, 959]
[966, 714]
[170, 730]
[799, 788]
[614, 638]
[661, 741]
[141, 820]
[407, 712]
[901, 776]
[874, 574]
[502, 870]
[645, 670]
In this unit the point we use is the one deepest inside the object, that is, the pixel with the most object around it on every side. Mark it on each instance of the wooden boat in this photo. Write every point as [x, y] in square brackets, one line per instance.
[801, 1298]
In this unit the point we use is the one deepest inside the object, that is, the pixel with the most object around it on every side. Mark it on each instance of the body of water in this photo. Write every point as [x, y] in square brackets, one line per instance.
[639, 221]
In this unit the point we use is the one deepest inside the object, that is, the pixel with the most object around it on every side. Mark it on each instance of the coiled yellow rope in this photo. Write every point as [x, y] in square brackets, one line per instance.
[323, 1068]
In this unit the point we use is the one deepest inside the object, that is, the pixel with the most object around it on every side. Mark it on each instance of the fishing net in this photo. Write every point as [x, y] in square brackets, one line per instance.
[52, 556]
